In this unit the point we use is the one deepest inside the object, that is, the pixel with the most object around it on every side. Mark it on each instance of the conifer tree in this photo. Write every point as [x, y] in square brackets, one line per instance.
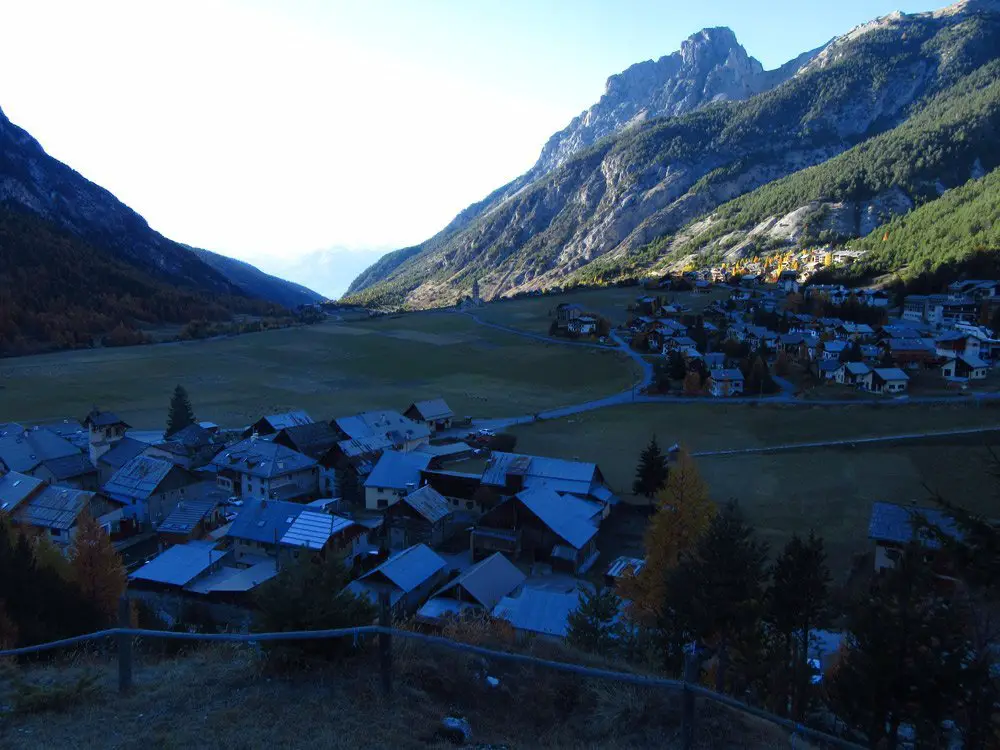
[97, 568]
[592, 625]
[651, 473]
[180, 413]
[684, 513]
[675, 363]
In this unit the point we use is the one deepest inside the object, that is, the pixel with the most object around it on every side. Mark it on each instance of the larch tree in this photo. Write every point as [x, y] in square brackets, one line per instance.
[180, 413]
[651, 473]
[684, 513]
[97, 568]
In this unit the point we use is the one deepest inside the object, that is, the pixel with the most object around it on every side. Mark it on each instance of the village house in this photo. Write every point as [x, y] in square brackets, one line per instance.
[854, 331]
[434, 413]
[15, 488]
[318, 441]
[104, 428]
[541, 525]
[510, 473]
[463, 491]
[150, 488]
[256, 470]
[352, 462]
[977, 289]
[422, 516]
[826, 369]
[43, 454]
[189, 448]
[851, 373]
[788, 281]
[965, 367]
[989, 346]
[723, 382]
[885, 380]
[940, 309]
[892, 527]
[396, 474]
[584, 325]
[282, 531]
[55, 511]
[191, 520]
[909, 353]
[403, 433]
[477, 589]
[120, 454]
[567, 312]
[536, 612]
[408, 578]
[955, 344]
[273, 423]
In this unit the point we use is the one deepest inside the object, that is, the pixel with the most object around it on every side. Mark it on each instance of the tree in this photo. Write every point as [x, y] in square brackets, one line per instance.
[903, 660]
[651, 473]
[675, 363]
[180, 413]
[715, 595]
[603, 327]
[683, 514]
[592, 625]
[781, 365]
[796, 605]
[692, 384]
[852, 353]
[97, 568]
[311, 594]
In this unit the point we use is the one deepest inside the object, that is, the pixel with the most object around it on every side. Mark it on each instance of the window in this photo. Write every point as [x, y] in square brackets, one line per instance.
[55, 532]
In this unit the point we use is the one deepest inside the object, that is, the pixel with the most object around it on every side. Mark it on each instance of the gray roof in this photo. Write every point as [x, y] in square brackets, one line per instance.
[314, 529]
[99, 418]
[287, 419]
[539, 610]
[621, 565]
[541, 472]
[407, 569]
[180, 564]
[139, 478]
[891, 373]
[382, 424]
[973, 361]
[364, 446]
[15, 488]
[896, 523]
[262, 458]
[25, 450]
[396, 470]
[122, 452]
[568, 516]
[70, 429]
[192, 436]
[187, 515]
[429, 503]
[434, 408]
[487, 582]
[907, 345]
[311, 439]
[54, 508]
[266, 522]
[69, 467]
[723, 374]
[856, 368]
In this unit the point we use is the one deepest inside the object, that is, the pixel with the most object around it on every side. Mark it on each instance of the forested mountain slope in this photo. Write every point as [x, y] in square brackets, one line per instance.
[624, 200]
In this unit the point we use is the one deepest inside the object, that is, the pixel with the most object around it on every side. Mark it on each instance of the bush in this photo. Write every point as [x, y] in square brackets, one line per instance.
[503, 442]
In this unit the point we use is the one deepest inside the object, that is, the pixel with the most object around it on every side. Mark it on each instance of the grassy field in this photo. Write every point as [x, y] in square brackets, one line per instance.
[330, 370]
[830, 490]
[536, 313]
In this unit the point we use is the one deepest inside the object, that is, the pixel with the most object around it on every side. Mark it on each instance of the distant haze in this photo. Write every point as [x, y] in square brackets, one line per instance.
[328, 271]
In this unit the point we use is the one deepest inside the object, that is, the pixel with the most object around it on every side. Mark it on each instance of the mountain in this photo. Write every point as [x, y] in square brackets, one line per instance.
[34, 182]
[328, 271]
[255, 283]
[633, 200]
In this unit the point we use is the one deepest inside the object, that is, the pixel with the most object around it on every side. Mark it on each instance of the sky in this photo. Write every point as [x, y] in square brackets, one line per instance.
[266, 130]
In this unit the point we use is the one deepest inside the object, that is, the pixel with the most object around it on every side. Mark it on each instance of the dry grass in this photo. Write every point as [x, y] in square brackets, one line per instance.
[224, 698]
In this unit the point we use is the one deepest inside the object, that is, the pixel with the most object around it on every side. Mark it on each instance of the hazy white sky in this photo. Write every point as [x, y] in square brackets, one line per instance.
[275, 128]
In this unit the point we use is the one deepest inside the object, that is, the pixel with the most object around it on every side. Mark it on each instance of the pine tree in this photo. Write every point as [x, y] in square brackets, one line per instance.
[97, 568]
[675, 363]
[592, 625]
[684, 513]
[796, 605]
[180, 414]
[651, 473]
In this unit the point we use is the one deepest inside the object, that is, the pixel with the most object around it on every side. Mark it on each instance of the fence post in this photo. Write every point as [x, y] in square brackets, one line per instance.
[691, 668]
[385, 642]
[124, 646]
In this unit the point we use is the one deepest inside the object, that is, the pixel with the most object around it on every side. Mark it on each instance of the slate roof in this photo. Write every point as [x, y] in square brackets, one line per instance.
[312, 440]
[15, 488]
[54, 507]
[429, 503]
[99, 418]
[623, 564]
[723, 375]
[907, 345]
[139, 478]
[265, 523]
[566, 515]
[69, 467]
[70, 429]
[122, 452]
[396, 470]
[891, 373]
[405, 570]
[192, 436]
[382, 424]
[973, 361]
[434, 408]
[180, 564]
[25, 450]
[487, 582]
[539, 471]
[539, 610]
[856, 368]
[895, 523]
[288, 419]
[186, 516]
[262, 458]
[363, 446]
[313, 529]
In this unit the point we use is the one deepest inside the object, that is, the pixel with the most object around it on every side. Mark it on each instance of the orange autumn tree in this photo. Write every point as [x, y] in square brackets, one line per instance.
[683, 514]
[97, 568]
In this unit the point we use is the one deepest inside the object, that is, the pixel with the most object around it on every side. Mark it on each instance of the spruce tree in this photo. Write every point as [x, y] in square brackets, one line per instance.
[796, 605]
[180, 414]
[592, 625]
[651, 473]
[675, 363]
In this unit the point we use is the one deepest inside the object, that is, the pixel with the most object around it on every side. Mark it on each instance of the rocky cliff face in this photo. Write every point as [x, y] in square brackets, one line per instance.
[711, 66]
[634, 194]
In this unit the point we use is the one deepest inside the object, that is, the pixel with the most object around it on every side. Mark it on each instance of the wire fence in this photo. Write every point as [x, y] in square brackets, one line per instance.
[688, 688]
